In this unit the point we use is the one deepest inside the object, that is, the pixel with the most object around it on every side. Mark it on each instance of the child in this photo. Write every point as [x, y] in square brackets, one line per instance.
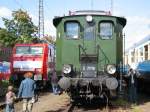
[10, 97]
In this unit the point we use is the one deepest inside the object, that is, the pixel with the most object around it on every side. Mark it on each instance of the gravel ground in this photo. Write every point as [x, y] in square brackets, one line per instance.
[51, 103]
[59, 103]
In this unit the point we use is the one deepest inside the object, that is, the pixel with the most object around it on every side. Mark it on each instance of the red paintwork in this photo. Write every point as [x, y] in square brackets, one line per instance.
[5, 76]
[43, 58]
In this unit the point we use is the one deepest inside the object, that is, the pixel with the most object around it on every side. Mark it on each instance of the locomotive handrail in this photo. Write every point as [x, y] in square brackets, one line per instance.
[89, 56]
[80, 46]
[105, 57]
[99, 48]
[90, 12]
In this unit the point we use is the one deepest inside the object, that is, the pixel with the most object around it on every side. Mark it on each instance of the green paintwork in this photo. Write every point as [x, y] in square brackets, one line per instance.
[67, 50]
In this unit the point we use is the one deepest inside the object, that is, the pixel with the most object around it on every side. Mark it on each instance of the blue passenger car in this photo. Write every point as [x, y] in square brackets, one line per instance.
[144, 70]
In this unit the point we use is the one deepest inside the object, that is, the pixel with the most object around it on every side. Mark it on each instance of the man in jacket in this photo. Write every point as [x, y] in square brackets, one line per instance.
[132, 74]
[26, 92]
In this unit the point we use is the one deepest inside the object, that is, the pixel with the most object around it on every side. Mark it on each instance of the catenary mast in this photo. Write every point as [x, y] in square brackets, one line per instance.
[41, 20]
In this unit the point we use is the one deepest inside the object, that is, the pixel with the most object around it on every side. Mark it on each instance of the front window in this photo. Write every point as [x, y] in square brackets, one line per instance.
[106, 30]
[29, 50]
[36, 50]
[89, 33]
[22, 50]
[72, 30]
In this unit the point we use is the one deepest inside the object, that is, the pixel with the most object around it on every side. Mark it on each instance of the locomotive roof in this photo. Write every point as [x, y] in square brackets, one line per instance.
[56, 20]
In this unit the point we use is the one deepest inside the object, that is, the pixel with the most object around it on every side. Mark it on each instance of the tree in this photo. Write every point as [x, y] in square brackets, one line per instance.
[49, 39]
[20, 27]
[6, 38]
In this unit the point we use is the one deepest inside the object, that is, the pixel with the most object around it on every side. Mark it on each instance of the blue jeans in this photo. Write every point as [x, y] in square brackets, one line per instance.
[132, 93]
[10, 108]
[27, 105]
[55, 88]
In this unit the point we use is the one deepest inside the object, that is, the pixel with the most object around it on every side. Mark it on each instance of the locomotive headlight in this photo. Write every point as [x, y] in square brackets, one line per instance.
[66, 69]
[111, 69]
[89, 18]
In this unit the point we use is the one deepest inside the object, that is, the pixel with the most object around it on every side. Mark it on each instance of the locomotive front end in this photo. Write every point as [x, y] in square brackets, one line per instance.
[88, 52]
[33, 58]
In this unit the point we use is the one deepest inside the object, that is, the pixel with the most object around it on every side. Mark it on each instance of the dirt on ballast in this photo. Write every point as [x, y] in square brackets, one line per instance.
[51, 103]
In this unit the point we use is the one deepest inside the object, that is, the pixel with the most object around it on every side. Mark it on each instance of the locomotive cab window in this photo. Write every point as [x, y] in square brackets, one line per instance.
[89, 33]
[29, 50]
[106, 30]
[72, 30]
[22, 50]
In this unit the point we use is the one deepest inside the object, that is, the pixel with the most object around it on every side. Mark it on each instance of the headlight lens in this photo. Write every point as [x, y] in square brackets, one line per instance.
[111, 69]
[66, 69]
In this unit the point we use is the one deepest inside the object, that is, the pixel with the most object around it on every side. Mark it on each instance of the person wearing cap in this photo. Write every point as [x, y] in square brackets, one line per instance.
[10, 98]
[26, 92]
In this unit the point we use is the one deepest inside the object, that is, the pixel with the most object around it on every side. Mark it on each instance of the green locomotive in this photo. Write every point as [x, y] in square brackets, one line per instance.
[89, 48]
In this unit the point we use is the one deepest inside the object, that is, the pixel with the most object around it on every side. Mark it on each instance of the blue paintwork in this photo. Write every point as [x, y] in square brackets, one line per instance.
[124, 70]
[144, 69]
[4, 69]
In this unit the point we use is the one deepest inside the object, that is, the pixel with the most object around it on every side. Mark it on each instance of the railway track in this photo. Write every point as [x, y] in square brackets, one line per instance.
[96, 108]
[87, 108]
[49, 102]
[93, 106]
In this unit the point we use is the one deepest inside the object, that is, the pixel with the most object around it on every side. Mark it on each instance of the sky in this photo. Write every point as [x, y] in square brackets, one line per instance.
[137, 13]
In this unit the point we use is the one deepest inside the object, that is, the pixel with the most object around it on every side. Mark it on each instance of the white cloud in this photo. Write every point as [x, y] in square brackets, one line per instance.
[5, 12]
[136, 29]
[34, 18]
[49, 28]
[48, 25]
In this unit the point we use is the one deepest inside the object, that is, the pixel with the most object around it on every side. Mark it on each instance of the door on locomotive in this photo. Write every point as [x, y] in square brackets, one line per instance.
[88, 55]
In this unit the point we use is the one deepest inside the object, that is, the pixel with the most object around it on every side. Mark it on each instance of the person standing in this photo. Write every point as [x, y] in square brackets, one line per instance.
[132, 74]
[54, 82]
[26, 91]
[10, 98]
